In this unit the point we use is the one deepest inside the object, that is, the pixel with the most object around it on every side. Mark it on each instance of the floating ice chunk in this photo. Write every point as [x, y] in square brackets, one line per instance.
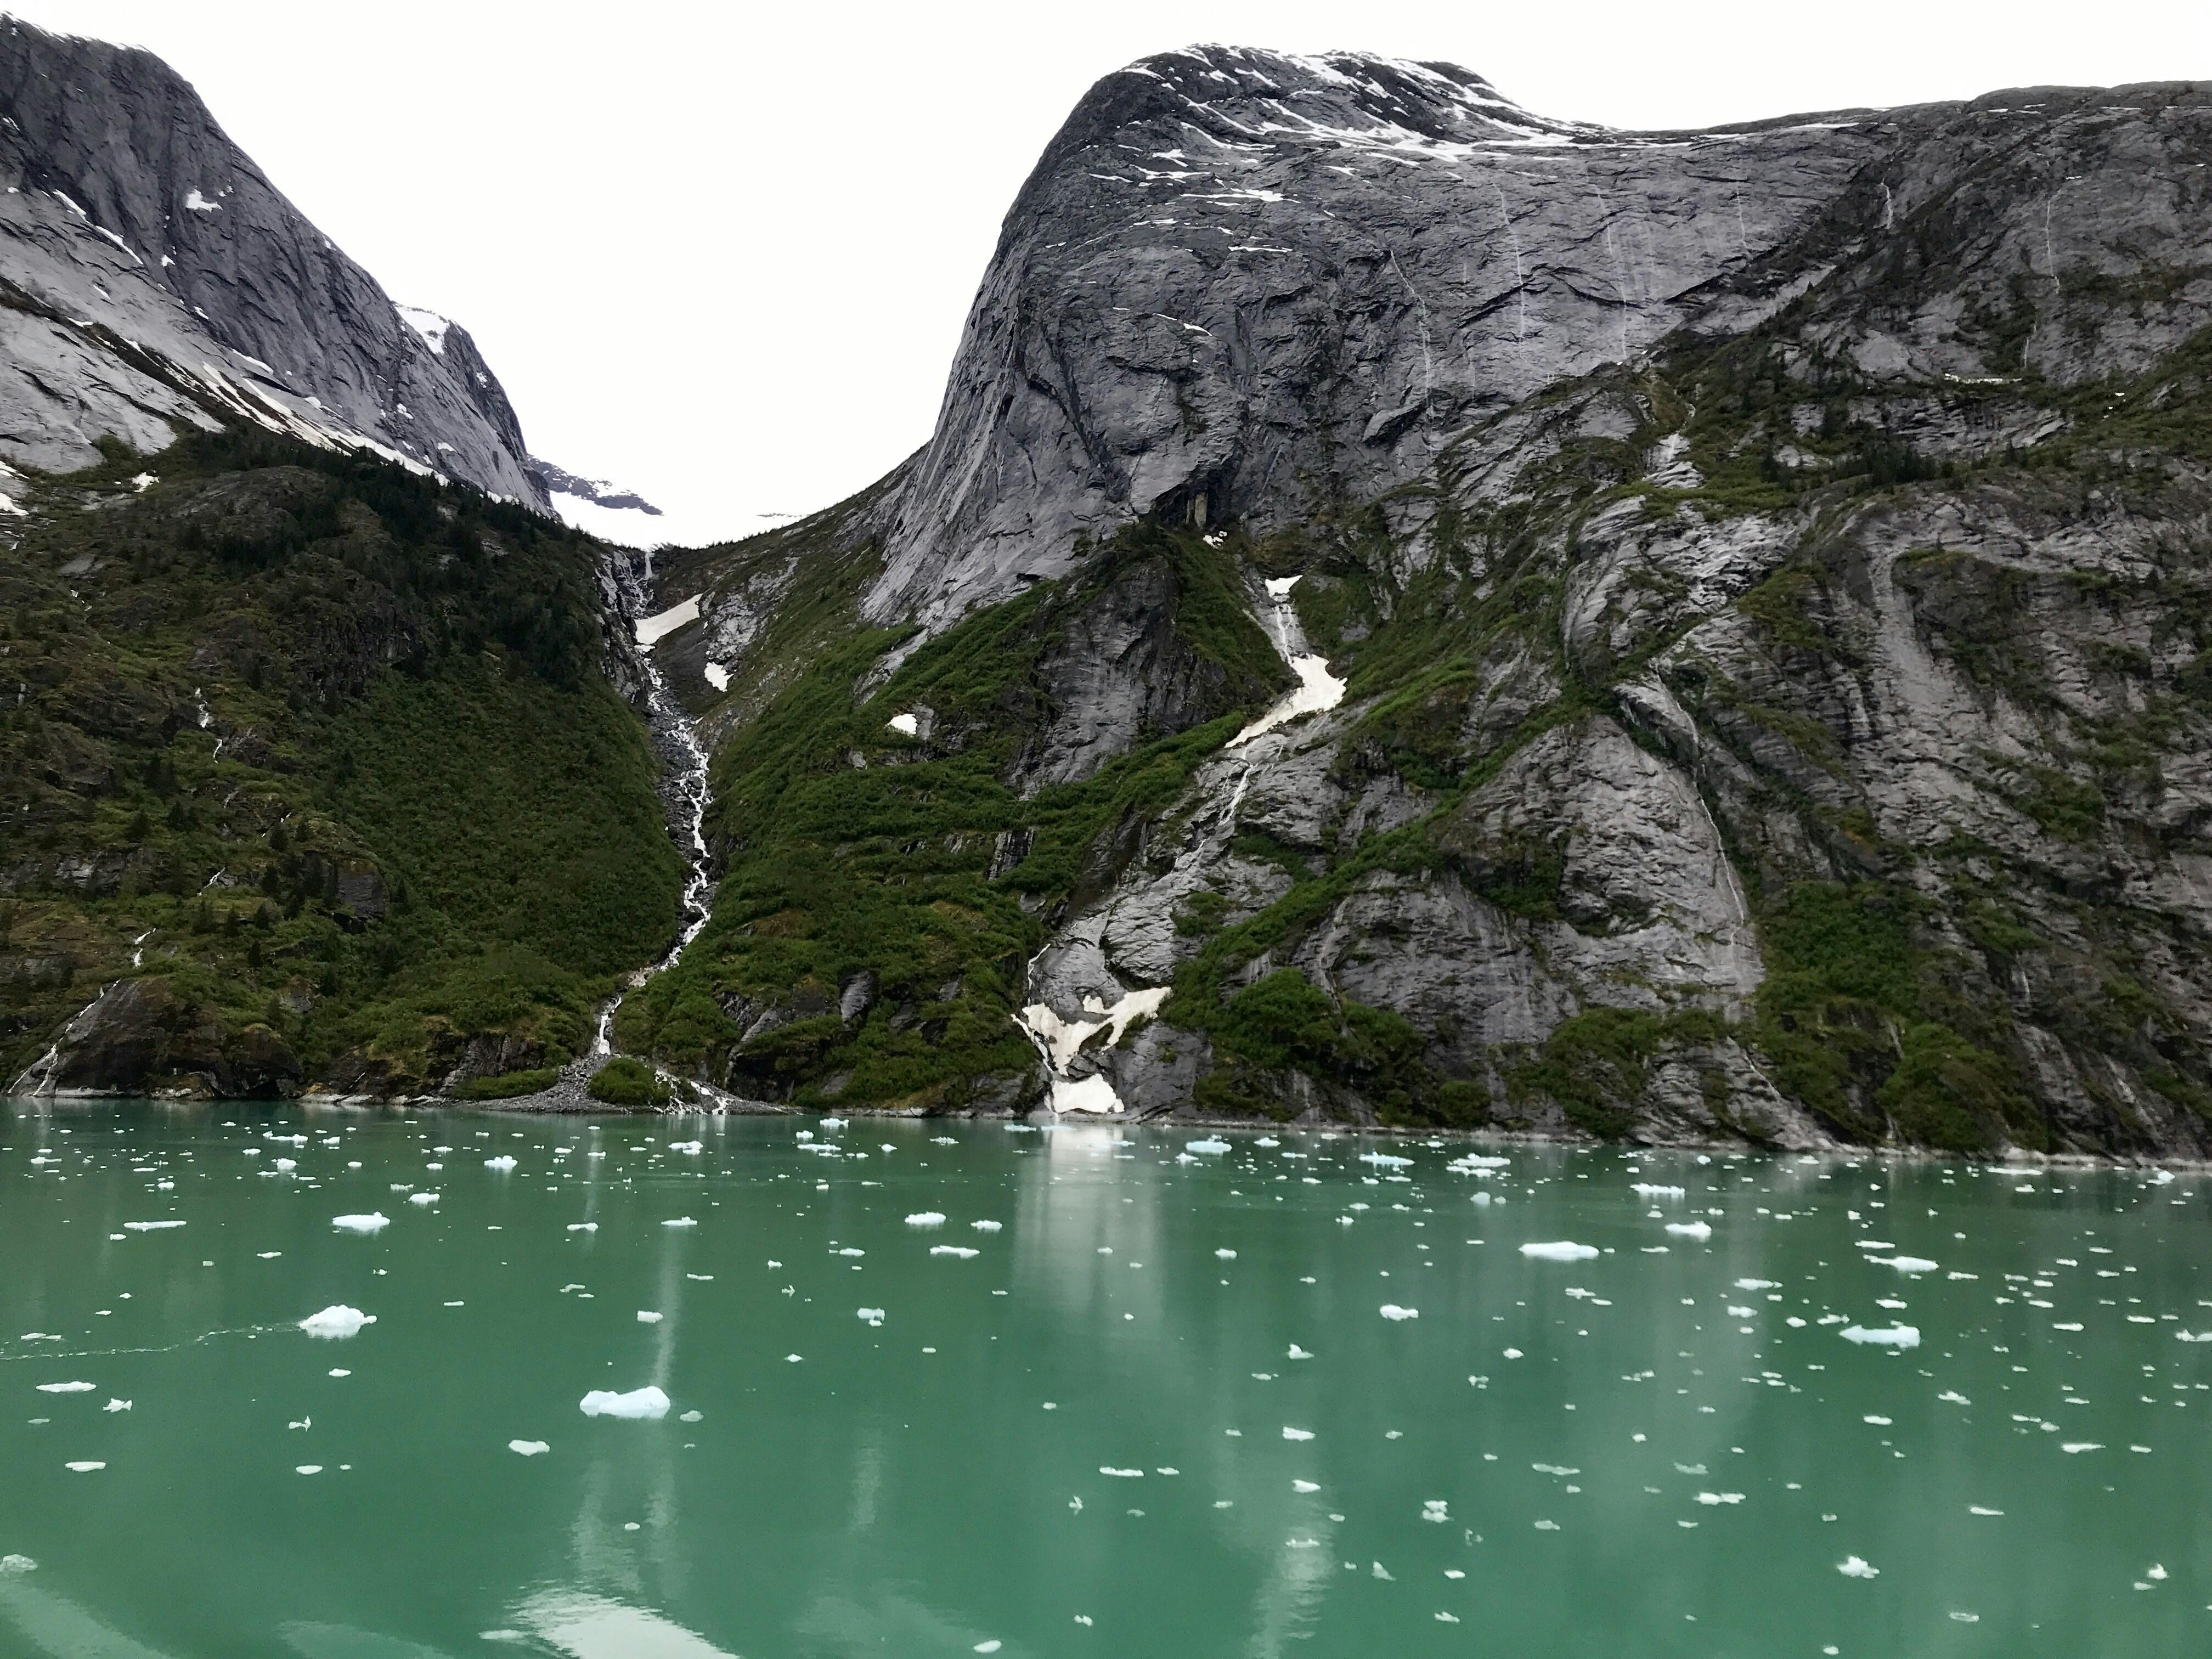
[1953, 1397]
[690, 1417]
[1559, 1250]
[987, 1226]
[1297, 1353]
[117, 1406]
[960, 1250]
[422, 1198]
[833, 1122]
[1122, 1475]
[2078, 1446]
[67, 1388]
[1886, 1336]
[1758, 1285]
[1906, 1264]
[149, 1226]
[1697, 1230]
[360, 1224]
[1854, 1567]
[1879, 1422]
[502, 1162]
[284, 1165]
[926, 1218]
[1712, 1499]
[1386, 1160]
[871, 1315]
[336, 1322]
[583, 1226]
[1298, 1434]
[308, 1468]
[1305, 1486]
[1226, 1255]
[1644, 1191]
[1873, 1244]
[645, 1402]
[1384, 1573]
[1266, 1140]
[2184, 1336]
[1435, 1509]
[1975, 1509]
[1208, 1146]
[991, 1646]
[12, 1564]
[679, 1221]
[1393, 1312]
[528, 1448]
[645, 1316]
[689, 1148]
[84, 1467]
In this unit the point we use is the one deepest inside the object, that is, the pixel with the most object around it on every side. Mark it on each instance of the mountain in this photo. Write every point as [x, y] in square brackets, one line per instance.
[327, 761]
[150, 276]
[1417, 612]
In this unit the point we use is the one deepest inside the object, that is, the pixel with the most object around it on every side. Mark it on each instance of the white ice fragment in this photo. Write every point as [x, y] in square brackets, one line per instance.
[1386, 1160]
[1757, 1284]
[871, 1315]
[67, 1388]
[1904, 1264]
[1559, 1250]
[690, 1417]
[645, 1316]
[149, 1226]
[926, 1218]
[1122, 1475]
[1854, 1567]
[1226, 1255]
[1209, 1145]
[1297, 1353]
[987, 1226]
[689, 1148]
[1393, 1312]
[502, 1162]
[1298, 1434]
[12, 1564]
[1887, 1336]
[647, 1401]
[2078, 1446]
[422, 1198]
[583, 1226]
[336, 1322]
[1712, 1499]
[1697, 1230]
[528, 1448]
[360, 1224]
[117, 1406]
[1642, 1191]
[84, 1469]
[680, 1221]
[960, 1250]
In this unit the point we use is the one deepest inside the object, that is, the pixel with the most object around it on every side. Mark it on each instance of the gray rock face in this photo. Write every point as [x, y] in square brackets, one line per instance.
[151, 276]
[1239, 281]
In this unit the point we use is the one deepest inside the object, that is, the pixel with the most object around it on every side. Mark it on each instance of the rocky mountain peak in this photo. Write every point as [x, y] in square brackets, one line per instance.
[152, 275]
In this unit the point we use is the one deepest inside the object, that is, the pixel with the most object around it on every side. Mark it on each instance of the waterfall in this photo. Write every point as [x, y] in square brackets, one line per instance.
[676, 734]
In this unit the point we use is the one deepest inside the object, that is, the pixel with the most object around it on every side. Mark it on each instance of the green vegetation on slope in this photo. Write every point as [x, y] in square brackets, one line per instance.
[884, 893]
[327, 745]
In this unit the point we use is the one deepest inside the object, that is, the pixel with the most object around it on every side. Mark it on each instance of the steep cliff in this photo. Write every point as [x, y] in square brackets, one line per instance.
[152, 279]
[1764, 573]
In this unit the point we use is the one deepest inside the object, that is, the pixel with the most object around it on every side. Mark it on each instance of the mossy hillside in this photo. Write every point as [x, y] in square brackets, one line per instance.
[415, 814]
[918, 869]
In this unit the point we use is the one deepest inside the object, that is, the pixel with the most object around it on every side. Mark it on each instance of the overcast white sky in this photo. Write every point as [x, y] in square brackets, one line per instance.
[723, 253]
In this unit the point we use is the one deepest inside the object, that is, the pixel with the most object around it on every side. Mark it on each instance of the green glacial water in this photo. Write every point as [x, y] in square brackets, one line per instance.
[1121, 1399]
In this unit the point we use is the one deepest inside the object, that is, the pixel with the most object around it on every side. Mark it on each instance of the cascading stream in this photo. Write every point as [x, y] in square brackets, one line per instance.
[677, 735]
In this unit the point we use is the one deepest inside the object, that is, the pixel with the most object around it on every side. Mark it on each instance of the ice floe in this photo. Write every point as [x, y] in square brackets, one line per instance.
[333, 1322]
[528, 1448]
[1392, 1311]
[638, 1403]
[360, 1224]
[1887, 1336]
[1562, 1249]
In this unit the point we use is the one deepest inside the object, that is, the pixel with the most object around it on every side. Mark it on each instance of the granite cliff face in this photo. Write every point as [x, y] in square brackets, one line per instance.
[1747, 592]
[152, 279]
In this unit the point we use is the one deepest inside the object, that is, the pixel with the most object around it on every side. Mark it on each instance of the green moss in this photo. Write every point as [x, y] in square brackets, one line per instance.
[508, 1085]
[627, 1081]
[1596, 1065]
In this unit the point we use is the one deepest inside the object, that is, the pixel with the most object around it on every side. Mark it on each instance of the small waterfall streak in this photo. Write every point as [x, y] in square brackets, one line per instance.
[680, 734]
